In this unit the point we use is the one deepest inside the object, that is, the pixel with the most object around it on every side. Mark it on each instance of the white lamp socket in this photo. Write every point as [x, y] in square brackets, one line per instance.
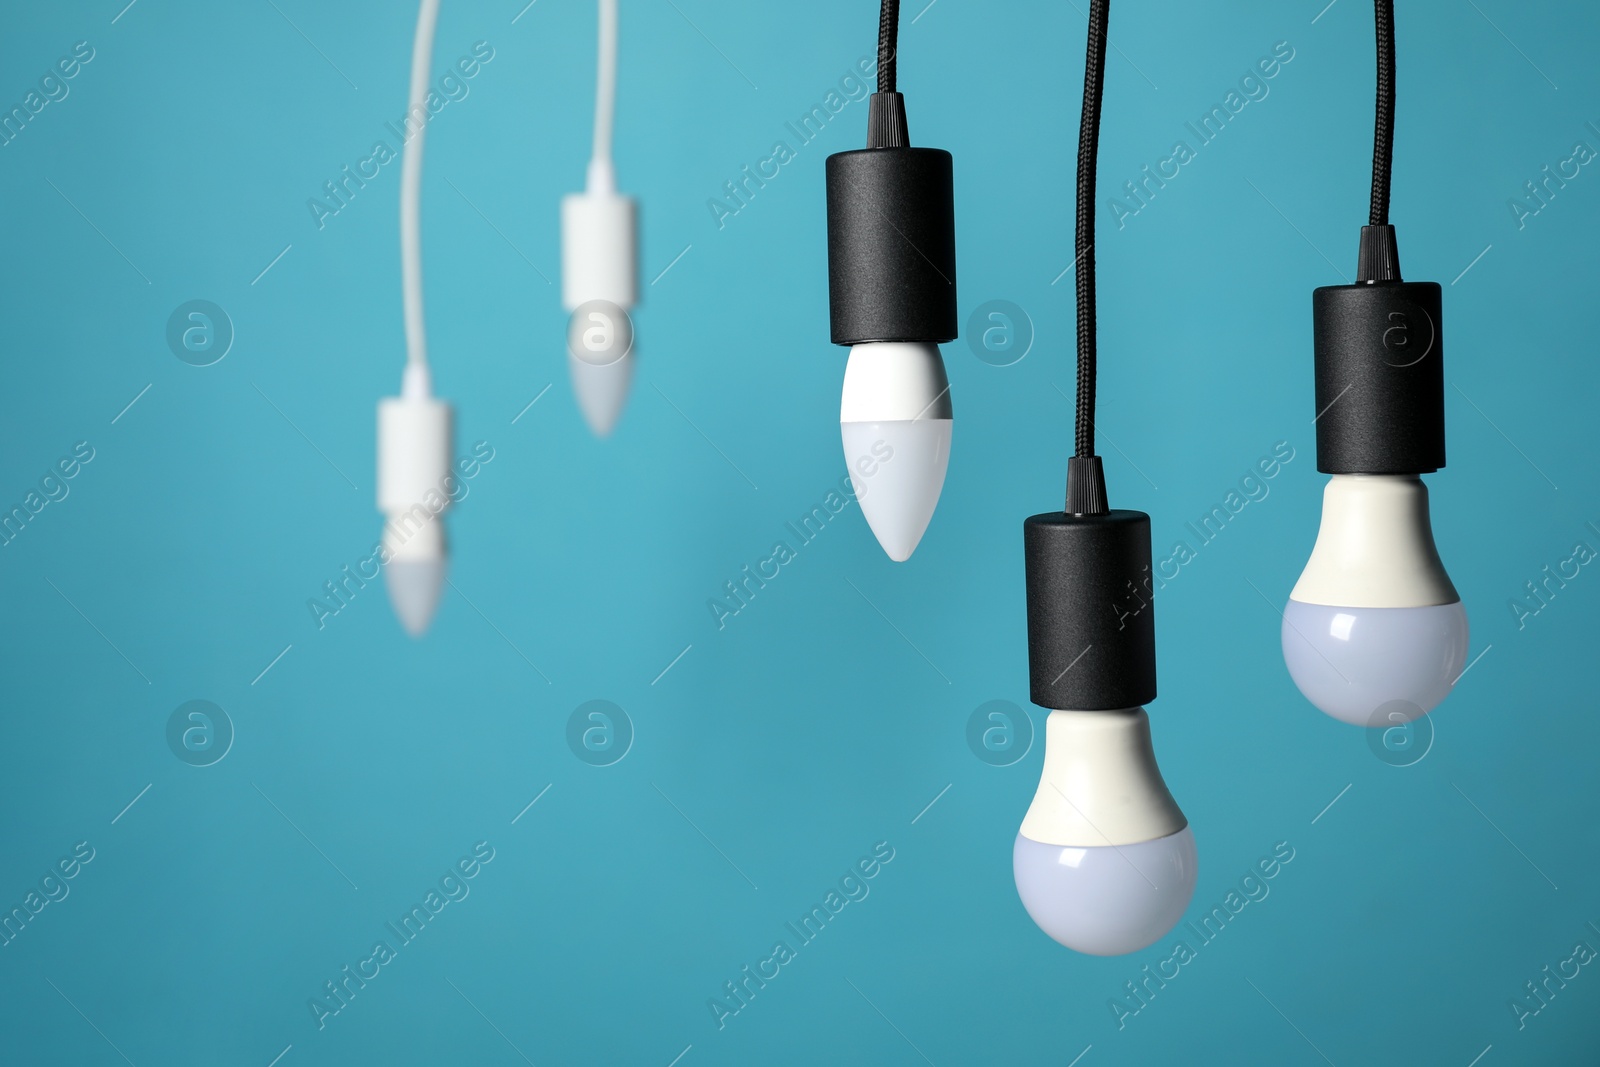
[599, 249]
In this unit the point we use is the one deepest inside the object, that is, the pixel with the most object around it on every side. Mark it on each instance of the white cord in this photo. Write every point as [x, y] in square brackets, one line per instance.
[602, 178]
[411, 199]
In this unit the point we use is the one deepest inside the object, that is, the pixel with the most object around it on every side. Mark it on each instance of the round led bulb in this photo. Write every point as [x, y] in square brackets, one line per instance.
[1374, 633]
[1105, 862]
[896, 419]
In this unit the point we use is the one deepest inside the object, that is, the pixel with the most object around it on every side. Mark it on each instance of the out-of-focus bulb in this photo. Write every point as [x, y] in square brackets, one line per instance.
[1105, 862]
[896, 420]
[414, 488]
[1374, 633]
[599, 283]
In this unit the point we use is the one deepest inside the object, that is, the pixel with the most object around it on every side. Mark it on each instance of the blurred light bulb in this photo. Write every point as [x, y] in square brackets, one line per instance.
[1105, 862]
[1374, 633]
[896, 420]
[599, 283]
[414, 486]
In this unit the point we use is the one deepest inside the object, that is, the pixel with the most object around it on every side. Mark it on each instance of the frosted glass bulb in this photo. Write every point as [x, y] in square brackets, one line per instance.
[1105, 862]
[602, 390]
[1105, 901]
[414, 574]
[1374, 633]
[895, 419]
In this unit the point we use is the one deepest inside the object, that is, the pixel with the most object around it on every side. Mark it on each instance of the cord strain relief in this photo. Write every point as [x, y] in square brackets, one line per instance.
[416, 383]
[1086, 486]
[1379, 258]
[601, 177]
[886, 121]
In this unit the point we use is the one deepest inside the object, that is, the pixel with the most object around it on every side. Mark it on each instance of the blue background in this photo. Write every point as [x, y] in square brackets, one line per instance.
[829, 713]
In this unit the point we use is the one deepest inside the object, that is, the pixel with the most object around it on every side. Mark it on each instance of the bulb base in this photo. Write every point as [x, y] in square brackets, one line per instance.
[1100, 785]
[1375, 547]
[1091, 613]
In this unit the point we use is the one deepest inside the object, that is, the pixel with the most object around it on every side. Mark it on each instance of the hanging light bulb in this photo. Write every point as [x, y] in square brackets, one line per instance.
[892, 300]
[413, 468]
[1105, 862]
[414, 427]
[1374, 633]
[599, 254]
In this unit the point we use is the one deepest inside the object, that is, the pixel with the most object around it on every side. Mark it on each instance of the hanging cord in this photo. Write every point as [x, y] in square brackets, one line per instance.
[1088, 151]
[886, 108]
[888, 30]
[602, 178]
[411, 198]
[1379, 256]
[1383, 127]
[1086, 493]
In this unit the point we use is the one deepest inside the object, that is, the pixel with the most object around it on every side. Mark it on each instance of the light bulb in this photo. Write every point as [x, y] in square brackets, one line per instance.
[1105, 862]
[892, 300]
[599, 253]
[895, 418]
[414, 489]
[1374, 633]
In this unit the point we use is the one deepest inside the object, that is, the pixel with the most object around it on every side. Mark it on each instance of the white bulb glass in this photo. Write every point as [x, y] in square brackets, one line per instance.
[1374, 633]
[1105, 862]
[1104, 900]
[414, 574]
[602, 390]
[895, 419]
